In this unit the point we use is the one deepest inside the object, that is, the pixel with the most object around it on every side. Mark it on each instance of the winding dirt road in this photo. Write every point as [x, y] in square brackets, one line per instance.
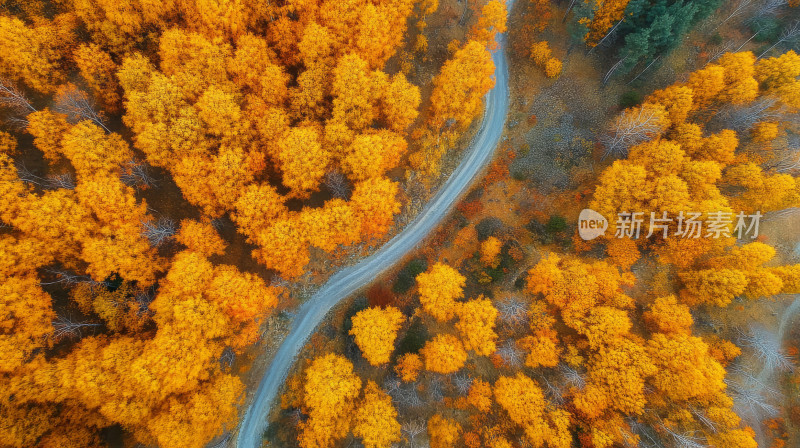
[351, 279]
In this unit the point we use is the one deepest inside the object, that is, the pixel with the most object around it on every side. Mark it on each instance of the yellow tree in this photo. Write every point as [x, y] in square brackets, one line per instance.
[606, 14]
[439, 288]
[375, 330]
[408, 367]
[47, 129]
[26, 320]
[443, 432]
[375, 203]
[668, 316]
[475, 325]
[685, 370]
[257, 207]
[372, 155]
[480, 395]
[491, 21]
[460, 86]
[399, 103]
[303, 160]
[32, 54]
[98, 69]
[376, 419]
[444, 354]
[283, 246]
[330, 392]
[200, 237]
[331, 225]
[490, 252]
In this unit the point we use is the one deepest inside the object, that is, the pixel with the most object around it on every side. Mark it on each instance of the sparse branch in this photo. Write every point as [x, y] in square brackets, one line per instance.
[68, 327]
[337, 184]
[159, 231]
[510, 353]
[513, 312]
[790, 34]
[767, 348]
[462, 382]
[77, 105]
[64, 181]
[136, 174]
[412, 429]
[741, 7]
[632, 127]
[13, 99]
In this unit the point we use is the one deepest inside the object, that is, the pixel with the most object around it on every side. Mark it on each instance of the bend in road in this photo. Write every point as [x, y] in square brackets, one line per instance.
[349, 280]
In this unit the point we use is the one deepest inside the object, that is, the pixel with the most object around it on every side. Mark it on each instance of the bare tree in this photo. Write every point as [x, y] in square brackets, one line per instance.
[685, 439]
[403, 395]
[752, 403]
[552, 391]
[462, 382]
[768, 348]
[611, 71]
[742, 118]
[770, 7]
[78, 106]
[634, 126]
[144, 298]
[16, 103]
[70, 279]
[513, 312]
[159, 231]
[69, 327]
[435, 386]
[297, 415]
[791, 34]
[63, 181]
[510, 353]
[337, 184]
[227, 358]
[738, 10]
[26, 175]
[412, 429]
[572, 376]
[703, 418]
[136, 174]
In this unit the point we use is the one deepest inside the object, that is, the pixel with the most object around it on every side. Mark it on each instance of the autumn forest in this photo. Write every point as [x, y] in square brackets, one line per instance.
[400, 223]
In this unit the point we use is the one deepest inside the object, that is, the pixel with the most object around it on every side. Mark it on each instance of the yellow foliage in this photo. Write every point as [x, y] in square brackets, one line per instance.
[408, 367]
[685, 368]
[443, 432]
[666, 315]
[460, 86]
[444, 354]
[439, 288]
[200, 237]
[476, 321]
[331, 389]
[376, 419]
[541, 52]
[375, 331]
[480, 395]
[553, 68]
[490, 252]
[765, 131]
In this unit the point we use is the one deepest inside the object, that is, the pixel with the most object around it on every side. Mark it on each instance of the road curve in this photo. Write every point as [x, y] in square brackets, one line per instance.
[349, 280]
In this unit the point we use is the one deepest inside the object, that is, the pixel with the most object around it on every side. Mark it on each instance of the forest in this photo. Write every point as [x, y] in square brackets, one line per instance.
[178, 178]
[142, 139]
